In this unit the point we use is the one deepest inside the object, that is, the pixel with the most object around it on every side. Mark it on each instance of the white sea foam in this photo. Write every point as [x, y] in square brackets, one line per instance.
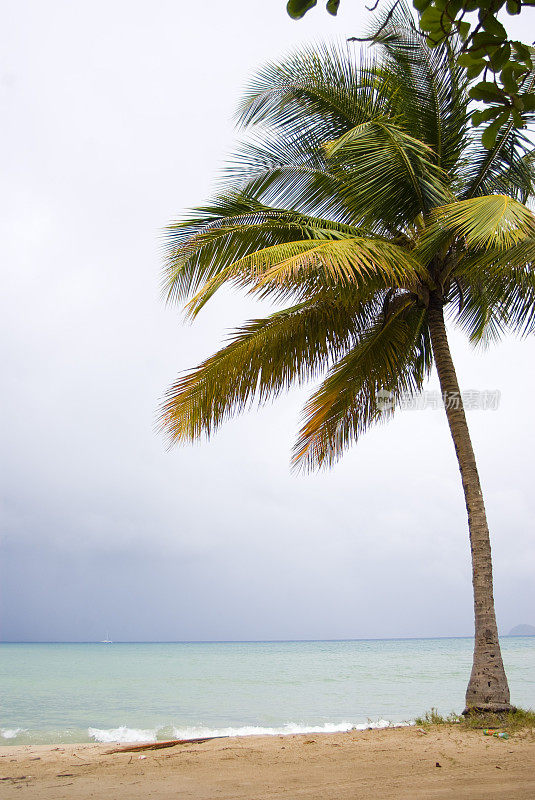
[284, 730]
[123, 734]
[11, 733]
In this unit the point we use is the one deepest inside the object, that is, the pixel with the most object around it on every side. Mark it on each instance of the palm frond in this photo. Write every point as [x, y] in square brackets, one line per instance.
[358, 261]
[390, 356]
[279, 171]
[390, 175]
[431, 96]
[263, 358]
[348, 260]
[499, 292]
[479, 317]
[504, 167]
[492, 221]
[320, 91]
[235, 225]
[267, 167]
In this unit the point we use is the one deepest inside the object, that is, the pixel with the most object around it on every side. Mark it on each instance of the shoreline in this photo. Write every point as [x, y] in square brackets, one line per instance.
[395, 763]
[124, 735]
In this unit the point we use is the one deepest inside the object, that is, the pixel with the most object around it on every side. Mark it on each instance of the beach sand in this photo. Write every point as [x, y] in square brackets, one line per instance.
[399, 763]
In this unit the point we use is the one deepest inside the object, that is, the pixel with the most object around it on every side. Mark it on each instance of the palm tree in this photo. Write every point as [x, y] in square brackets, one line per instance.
[360, 196]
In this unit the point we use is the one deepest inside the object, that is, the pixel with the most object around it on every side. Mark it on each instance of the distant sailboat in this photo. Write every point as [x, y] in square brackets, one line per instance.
[107, 640]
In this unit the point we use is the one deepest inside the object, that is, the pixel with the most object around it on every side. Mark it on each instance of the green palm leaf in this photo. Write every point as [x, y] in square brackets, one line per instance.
[234, 226]
[430, 94]
[392, 356]
[358, 261]
[263, 358]
[504, 164]
[500, 294]
[390, 175]
[481, 222]
[319, 92]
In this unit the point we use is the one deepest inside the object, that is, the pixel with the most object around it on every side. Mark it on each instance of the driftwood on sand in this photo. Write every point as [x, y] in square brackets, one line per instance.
[133, 748]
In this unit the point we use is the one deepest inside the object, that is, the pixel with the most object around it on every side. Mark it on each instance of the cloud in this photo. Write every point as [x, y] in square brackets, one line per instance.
[115, 120]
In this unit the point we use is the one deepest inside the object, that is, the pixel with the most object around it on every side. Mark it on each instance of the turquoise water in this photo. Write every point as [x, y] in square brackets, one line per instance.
[142, 692]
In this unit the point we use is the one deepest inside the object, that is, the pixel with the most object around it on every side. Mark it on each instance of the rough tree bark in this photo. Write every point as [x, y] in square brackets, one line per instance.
[488, 689]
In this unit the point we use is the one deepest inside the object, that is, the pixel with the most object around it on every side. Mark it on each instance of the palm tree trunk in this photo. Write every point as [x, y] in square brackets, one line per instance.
[487, 689]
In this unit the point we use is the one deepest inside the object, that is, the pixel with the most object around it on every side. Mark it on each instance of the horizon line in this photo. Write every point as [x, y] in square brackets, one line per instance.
[257, 641]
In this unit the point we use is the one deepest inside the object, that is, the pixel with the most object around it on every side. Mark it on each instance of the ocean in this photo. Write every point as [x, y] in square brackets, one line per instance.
[54, 693]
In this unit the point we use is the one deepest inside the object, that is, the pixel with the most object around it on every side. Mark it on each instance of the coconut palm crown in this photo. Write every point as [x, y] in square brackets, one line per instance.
[363, 204]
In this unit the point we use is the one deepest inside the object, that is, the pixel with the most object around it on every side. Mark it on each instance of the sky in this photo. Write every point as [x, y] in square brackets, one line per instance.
[116, 117]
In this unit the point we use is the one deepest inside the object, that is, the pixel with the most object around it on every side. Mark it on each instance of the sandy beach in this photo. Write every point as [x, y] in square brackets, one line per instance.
[401, 763]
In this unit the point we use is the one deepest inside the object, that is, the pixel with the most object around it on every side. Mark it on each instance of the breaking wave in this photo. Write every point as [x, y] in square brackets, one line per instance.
[283, 730]
[124, 734]
[11, 733]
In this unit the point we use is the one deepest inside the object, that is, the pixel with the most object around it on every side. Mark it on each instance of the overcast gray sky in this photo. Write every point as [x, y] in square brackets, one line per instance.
[116, 116]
